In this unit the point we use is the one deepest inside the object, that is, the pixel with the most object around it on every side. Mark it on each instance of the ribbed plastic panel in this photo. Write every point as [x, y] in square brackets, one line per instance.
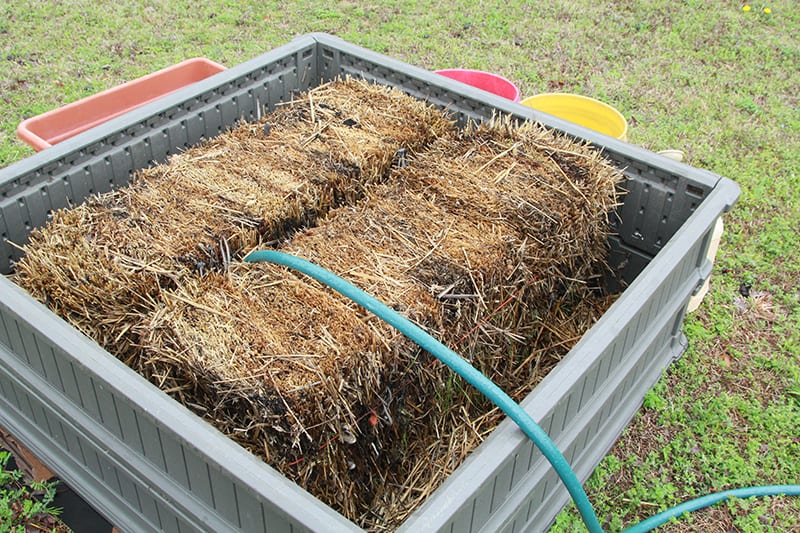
[147, 463]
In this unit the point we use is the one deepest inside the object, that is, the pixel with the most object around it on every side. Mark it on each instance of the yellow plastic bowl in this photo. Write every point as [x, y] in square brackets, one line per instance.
[582, 110]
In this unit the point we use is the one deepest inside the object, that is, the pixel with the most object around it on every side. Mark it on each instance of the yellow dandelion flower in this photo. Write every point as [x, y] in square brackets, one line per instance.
[767, 10]
[745, 8]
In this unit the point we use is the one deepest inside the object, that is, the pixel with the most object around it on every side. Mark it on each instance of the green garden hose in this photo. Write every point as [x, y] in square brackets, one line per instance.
[511, 408]
[709, 500]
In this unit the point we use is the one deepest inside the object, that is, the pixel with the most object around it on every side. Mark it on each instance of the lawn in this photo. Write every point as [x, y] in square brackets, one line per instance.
[712, 79]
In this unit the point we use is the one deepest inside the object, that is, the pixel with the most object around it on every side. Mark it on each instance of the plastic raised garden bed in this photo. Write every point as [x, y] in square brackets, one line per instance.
[148, 463]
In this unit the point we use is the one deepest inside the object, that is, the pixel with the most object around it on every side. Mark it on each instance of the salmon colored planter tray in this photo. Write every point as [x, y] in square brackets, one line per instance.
[47, 129]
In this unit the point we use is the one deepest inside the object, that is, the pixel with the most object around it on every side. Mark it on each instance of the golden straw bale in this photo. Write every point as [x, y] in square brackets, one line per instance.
[70, 266]
[261, 338]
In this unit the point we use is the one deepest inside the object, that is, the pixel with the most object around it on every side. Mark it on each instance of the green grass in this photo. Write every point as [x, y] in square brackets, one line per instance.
[706, 77]
[25, 507]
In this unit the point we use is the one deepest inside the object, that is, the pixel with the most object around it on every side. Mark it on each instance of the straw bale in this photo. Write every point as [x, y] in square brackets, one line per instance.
[257, 343]
[257, 182]
[69, 267]
[282, 365]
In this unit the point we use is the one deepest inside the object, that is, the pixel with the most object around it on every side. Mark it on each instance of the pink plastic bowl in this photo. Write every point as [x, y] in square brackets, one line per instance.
[484, 80]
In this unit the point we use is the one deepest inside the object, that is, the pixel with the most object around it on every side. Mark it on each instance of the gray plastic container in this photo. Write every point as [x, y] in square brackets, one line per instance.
[149, 464]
